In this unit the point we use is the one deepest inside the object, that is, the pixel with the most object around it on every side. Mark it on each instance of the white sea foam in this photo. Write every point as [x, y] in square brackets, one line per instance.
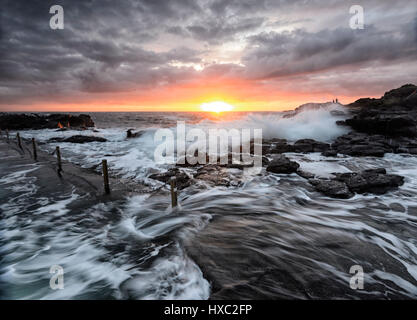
[306, 216]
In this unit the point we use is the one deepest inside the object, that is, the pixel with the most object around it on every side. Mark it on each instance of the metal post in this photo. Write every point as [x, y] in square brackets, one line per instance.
[7, 135]
[19, 141]
[59, 161]
[35, 153]
[106, 177]
[174, 197]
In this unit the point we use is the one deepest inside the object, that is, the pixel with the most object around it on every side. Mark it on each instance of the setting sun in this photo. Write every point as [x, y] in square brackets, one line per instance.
[216, 106]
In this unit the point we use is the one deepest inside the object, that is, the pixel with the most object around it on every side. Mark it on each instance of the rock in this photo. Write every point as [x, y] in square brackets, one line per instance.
[372, 181]
[130, 134]
[305, 174]
[282, 164]
[183, 180]
[274, 146]
[310, 145]
[392, 115]
[361, 144]
[338, 113]
[310, 107]
[216, 175]
[411, 100]
[332, 188]
[79, 139]
[34, 121]
[344, 185]
[277, 146]
[329, 153]
[281, 148]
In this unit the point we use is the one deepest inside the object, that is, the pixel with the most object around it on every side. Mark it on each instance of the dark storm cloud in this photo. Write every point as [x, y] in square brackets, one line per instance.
[220, 30]
[100, 47]
[415, 29]
[288, 53]
[130, 45]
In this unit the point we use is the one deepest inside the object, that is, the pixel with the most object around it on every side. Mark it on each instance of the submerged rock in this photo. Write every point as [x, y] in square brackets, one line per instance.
[183, 180]
[310, 145]
[216, 175]
[302, 146]
[282, 164]
[305, 174]
[79, 139]
[344, 185]
[376, 145]
[329, 153]
[332, 188]
[372, 181]
[130, 134]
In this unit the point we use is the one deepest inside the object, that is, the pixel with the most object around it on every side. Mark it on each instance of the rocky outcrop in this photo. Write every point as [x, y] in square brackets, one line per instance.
[303, 146]
[216, 175]
[314, 107]
[393, 115]
[131, 134]
[345, 185]
[362, 144]
[310, 145]
[332, 188]
[281, 164]
[79, 139]
[370, 181]
[16, 121]
[182, 179]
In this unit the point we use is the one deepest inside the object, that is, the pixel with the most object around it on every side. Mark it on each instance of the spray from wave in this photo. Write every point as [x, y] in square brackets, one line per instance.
[313, 121]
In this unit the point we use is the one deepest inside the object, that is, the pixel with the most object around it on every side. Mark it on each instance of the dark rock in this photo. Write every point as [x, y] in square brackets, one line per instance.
[392, 115]
[216, 175]
[265, 161]
[411, 100]
[344, 185]
[338, 113]
[182, 179]
[372, 181]
[281, 148]
[79, 139]
[305, 174]
[17, 121]
[360, 144]
[332, 188]
[277, 146]
[282, 164]
[330, 153]
[309, 107]
[130, 134]
[310, 145]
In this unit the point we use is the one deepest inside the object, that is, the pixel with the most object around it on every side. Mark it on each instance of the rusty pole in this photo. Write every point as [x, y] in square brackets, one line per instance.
[174, 196]
[106, 176]
[19, 141]
[59, 160]
[35, 153]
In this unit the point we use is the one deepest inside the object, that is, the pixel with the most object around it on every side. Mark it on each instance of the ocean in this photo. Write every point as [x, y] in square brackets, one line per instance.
[266, 236]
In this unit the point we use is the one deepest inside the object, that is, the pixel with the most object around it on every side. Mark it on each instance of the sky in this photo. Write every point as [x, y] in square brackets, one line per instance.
[174, 55]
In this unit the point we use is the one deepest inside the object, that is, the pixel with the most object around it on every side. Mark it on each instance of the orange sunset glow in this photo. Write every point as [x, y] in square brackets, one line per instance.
[166, 57]
[189, 96]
